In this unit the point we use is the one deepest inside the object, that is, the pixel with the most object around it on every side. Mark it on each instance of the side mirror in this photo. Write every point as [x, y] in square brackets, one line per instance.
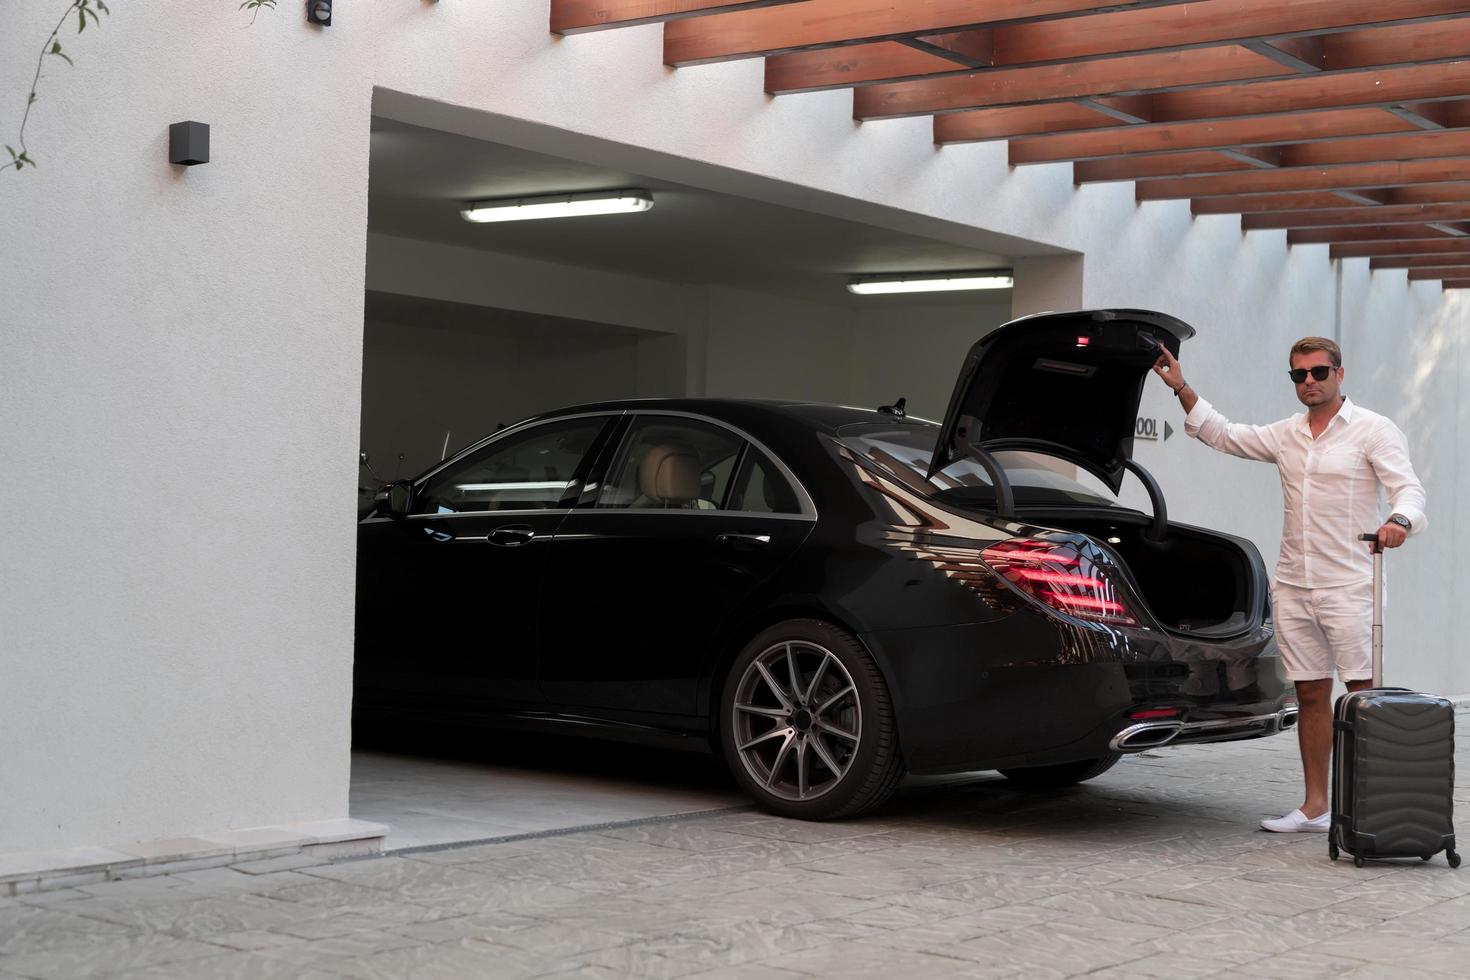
[394, 499]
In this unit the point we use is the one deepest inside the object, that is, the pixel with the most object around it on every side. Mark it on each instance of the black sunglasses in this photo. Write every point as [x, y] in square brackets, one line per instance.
[1319, 373]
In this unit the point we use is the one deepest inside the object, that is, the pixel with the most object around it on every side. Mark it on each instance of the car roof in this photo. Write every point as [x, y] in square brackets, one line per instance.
[819, 416]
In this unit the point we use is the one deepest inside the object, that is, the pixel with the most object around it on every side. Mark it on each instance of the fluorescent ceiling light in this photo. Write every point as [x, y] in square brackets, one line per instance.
[558, 206]
[950, 282]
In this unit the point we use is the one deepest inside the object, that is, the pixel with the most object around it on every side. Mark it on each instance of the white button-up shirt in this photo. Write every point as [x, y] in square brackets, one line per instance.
[1330, 485]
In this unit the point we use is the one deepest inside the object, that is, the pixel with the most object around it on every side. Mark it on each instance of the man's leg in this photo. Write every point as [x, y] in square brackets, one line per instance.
[1308, 661]
[1314, 736]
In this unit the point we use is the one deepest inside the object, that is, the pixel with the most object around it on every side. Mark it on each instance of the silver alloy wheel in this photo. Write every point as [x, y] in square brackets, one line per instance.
[797, 720]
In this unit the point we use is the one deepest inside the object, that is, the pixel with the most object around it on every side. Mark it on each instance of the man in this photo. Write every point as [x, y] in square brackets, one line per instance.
[1332, 460]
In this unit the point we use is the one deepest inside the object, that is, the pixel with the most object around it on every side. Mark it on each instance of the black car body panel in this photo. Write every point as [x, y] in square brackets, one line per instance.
[623, 623]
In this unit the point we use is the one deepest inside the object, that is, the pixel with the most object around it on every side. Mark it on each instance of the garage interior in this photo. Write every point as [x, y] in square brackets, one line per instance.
[468, 327]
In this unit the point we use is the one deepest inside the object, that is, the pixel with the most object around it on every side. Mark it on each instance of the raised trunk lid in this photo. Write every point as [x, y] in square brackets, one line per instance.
[1066, 384]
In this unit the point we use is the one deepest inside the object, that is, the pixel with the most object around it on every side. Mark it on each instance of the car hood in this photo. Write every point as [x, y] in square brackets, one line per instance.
[1066, 384]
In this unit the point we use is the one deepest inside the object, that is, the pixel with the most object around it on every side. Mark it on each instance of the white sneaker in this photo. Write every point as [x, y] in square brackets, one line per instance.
[1297, 822]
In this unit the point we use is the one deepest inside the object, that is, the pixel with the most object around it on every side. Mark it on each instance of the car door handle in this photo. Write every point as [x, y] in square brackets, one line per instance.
[744, 540]
[512, 535]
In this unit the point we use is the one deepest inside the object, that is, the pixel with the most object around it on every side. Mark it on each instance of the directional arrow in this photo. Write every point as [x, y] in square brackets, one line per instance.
[1168, 431]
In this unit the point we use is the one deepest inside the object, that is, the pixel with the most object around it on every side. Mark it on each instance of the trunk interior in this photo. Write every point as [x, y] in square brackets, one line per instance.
[1194, 582]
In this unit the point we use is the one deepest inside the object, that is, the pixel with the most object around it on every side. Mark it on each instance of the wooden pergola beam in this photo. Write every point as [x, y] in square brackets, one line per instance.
[1447, 193]
[1152, 73]
[1456, 284]
[1418, 146]
[1165, 165]
[1183, 137]
[1439, 260]
[1442, 145]
[997, 124]
[1349, 217]
[1183, 85]
[831, 23]
[1265, 27]
[1287, 181]
[1455, 192]
[1455, 272]
[1404, 249]
[580, 16]
[1314, 93]
[852, 66]
[1258, 203]
[1389, 233]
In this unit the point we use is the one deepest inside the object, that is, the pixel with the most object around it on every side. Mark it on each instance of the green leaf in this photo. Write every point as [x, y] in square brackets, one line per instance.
[11, 150]
[81, 19]
[56, 50]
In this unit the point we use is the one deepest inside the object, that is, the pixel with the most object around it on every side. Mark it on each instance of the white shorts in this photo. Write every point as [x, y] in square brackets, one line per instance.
[1319, 629]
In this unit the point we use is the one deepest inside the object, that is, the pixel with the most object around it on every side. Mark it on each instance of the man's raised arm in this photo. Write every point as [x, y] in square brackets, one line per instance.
[1202, 422]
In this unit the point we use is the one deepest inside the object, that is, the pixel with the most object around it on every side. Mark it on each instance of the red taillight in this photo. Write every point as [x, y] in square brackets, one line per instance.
[1057, 575]
[1155, 713]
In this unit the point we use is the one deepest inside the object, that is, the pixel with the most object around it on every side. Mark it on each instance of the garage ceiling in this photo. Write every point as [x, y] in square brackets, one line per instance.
[420, 177]
[1340, 121]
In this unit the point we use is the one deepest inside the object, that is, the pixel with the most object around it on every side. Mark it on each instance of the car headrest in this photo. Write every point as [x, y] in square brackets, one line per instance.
[669, 474]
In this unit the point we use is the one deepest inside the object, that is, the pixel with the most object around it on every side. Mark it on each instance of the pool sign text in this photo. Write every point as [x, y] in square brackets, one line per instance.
[1149, 429]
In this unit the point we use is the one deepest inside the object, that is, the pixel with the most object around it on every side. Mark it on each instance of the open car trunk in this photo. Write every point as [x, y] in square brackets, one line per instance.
[1194, 582]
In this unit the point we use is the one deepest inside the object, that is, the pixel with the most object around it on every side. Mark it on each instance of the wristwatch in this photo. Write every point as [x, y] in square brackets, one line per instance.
[1401, 521]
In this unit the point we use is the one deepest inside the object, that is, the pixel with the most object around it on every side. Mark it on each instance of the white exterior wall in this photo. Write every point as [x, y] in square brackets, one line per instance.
[181, 352]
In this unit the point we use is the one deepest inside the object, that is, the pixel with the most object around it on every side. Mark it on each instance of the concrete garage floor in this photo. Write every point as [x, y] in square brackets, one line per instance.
[454, 785]
[1154, 870]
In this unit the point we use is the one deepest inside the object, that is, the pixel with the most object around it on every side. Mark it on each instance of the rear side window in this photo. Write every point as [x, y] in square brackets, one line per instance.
[1037, 479]
[672, 464]
[530, 470]
[761, 489]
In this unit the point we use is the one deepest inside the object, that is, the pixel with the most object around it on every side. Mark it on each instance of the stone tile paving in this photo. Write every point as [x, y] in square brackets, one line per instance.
[1154, 870]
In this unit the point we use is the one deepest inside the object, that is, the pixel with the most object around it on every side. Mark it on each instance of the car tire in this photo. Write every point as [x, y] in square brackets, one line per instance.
[807, 723]
[1066, 774]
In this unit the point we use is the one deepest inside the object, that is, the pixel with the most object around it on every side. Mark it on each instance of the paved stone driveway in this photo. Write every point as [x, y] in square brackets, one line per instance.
[1155, 870]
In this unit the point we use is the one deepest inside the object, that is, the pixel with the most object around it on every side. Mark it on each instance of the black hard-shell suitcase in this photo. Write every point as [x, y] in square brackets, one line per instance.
[1393, 766]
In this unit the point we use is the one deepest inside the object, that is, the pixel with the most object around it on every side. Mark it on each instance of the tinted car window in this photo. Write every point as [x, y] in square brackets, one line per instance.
[671, 464]
[1037, 479]
[761, 489]
[529, 470]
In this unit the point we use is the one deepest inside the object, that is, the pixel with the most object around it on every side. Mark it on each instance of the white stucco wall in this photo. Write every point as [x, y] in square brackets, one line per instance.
[179, 366]
[181, 353]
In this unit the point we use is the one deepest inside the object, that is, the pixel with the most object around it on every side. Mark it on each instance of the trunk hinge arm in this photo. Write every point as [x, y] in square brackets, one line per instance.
[1005, 498]
[1155, 496]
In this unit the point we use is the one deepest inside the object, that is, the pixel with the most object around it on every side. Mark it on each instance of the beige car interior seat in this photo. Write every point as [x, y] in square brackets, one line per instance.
[668, 476]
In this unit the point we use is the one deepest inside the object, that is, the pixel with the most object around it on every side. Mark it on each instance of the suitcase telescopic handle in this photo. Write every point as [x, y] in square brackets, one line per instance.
[1377, 607]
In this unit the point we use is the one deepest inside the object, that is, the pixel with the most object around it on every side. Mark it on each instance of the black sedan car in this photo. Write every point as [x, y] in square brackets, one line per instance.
[829, 596]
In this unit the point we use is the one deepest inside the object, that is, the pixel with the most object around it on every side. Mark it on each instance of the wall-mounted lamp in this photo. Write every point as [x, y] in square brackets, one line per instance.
[319, 12]
[942, 282]
[188, 143]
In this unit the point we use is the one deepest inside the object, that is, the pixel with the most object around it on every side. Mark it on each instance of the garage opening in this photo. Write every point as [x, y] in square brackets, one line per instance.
[472, 326]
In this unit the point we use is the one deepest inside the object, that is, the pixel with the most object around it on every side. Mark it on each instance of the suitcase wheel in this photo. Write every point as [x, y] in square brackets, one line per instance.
[1454, 858]
[1358, 862]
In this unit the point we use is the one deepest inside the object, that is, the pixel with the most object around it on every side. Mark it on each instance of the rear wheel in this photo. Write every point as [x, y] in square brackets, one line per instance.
[1066, 774]
[807, 724]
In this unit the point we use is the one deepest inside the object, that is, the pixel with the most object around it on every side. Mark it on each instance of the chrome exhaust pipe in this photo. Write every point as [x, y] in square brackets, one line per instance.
[1147, 735]
[1286, 718]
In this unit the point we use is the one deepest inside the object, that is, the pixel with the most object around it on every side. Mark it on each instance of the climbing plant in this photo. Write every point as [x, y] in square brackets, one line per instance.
[82, 13]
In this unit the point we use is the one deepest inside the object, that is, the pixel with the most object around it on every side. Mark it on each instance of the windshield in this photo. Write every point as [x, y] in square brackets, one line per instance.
[1037, 480]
